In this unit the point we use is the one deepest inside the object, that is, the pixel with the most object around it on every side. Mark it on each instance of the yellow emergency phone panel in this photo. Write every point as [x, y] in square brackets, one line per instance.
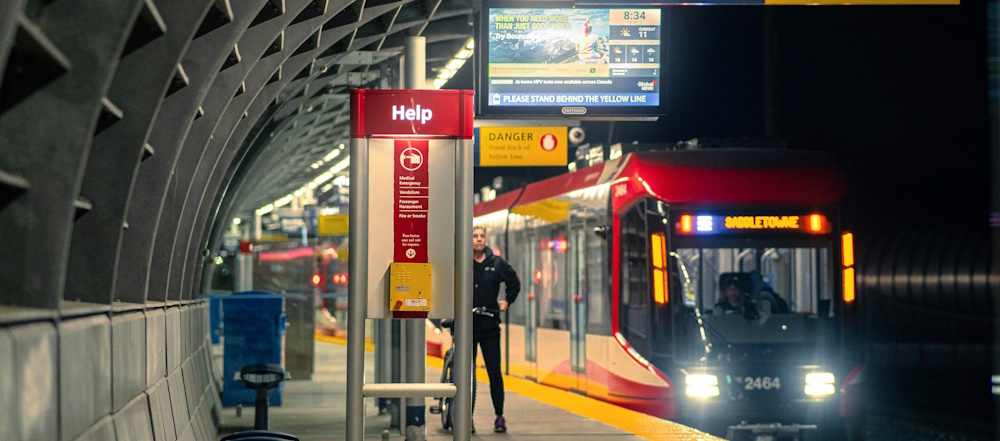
[409, 289]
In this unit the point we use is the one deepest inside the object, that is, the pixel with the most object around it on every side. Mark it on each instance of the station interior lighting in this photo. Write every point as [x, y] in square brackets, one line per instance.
[455, 64]
[319, 180]
[284, 200]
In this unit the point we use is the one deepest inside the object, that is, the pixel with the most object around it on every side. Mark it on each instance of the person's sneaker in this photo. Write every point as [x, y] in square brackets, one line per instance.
[500, 425]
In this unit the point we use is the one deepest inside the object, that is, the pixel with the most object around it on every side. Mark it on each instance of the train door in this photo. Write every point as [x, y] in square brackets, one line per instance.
[530, 249]
[578, 309]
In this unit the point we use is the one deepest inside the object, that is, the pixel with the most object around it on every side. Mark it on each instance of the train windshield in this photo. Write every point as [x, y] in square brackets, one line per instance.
[756, 294]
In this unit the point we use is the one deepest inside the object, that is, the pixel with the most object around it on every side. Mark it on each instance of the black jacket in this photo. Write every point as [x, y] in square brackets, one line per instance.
[486, 278]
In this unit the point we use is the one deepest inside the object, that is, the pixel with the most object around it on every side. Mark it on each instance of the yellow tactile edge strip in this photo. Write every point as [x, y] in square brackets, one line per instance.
[637, 423]
[369, 346]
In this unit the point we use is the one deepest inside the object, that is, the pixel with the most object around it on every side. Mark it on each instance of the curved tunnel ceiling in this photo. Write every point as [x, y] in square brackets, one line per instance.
[130, 129]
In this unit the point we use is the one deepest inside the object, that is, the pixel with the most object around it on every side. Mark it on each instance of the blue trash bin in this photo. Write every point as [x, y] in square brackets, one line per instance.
[254, 327]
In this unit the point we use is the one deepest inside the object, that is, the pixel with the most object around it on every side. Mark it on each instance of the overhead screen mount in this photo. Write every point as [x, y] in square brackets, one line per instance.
[581, 61]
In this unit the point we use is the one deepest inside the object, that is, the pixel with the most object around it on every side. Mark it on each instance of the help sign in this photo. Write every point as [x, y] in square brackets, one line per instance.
[402, 113]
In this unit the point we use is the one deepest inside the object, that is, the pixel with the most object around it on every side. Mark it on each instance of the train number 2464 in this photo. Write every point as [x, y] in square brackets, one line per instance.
[761, 383]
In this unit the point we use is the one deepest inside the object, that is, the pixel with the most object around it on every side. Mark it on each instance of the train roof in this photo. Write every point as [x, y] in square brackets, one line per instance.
[703, 177]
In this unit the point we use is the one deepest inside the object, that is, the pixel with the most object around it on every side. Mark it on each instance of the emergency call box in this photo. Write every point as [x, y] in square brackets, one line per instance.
[412, 139]
[409, 289]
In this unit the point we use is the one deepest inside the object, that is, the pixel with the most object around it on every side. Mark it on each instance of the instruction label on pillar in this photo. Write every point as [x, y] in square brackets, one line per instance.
[411, 196]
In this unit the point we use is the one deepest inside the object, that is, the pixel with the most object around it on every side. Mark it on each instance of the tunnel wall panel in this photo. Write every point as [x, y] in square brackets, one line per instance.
[84, 373]
[156, 346]
[162, 413]
[36, 381]
[104, 430]
[132, 422]
[178, 399]
[128, 337]
[8, 370]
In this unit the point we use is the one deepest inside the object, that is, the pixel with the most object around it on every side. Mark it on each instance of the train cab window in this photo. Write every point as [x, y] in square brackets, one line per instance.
[795, 277]
[785, 284]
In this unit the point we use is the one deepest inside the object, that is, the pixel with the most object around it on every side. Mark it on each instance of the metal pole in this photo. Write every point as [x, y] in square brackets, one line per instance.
[415, 60]
[415, 338]
[463, 292]
[244, 267]
[383, 358]
[357, 290]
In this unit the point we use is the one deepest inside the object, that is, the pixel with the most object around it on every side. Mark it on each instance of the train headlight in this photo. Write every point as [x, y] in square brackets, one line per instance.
[702, 385]
[819, 384]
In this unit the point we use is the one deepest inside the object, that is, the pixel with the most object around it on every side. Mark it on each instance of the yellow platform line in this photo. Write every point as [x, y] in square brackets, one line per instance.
[637, 423]
[369, 346]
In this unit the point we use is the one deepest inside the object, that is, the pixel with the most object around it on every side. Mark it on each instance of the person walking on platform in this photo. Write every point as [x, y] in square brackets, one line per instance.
[488, 270]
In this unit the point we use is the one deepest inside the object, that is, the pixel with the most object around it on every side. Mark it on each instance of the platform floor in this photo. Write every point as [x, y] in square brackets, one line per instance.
[315, 410]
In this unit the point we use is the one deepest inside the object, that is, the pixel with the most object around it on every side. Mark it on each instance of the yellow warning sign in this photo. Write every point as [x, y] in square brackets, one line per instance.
[333, 225]
[522, 146]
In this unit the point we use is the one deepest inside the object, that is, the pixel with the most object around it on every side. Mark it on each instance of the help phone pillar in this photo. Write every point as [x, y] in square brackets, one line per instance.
[411, 166]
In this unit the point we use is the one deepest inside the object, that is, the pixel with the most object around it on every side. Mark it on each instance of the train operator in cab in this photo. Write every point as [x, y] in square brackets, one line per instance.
[735, 296]
[488, 270]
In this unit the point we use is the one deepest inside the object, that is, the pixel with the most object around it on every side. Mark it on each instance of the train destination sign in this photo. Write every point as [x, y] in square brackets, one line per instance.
[522, 146]
[762, 222]
[714, 224]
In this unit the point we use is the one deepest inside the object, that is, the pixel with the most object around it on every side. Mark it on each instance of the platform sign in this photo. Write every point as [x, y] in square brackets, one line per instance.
[501, 146]
[412, 138]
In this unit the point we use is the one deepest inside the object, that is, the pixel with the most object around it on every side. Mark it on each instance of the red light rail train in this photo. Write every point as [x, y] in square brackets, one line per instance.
[621, 265]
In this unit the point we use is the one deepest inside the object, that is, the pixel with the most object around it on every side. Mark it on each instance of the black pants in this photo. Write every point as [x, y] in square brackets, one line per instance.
[491, 356]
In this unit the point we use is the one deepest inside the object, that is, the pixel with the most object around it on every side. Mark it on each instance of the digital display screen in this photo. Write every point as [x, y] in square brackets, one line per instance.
[715, 224]
[570, 61]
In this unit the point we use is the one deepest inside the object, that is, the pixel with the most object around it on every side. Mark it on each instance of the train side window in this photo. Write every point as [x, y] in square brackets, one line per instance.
[598, 287]
[551, 290]
[520, 260]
